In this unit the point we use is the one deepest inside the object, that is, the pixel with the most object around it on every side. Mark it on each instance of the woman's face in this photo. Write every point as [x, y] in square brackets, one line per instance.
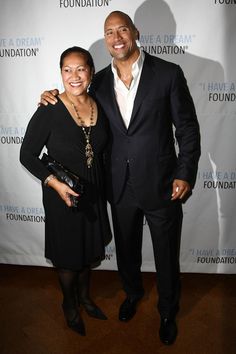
[76, 74]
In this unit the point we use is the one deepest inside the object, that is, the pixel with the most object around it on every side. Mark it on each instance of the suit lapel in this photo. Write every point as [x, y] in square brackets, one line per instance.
[147, 80]
[108, 98]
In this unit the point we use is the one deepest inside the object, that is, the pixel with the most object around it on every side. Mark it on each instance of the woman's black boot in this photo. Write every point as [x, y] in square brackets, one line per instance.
[74, 320]
[83, 296]
[67, 279]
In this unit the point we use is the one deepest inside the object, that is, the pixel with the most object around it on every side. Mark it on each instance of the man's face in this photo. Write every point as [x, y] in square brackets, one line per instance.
[120, 37]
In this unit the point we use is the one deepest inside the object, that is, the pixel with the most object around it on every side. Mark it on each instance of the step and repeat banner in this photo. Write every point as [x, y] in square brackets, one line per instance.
[198, 35]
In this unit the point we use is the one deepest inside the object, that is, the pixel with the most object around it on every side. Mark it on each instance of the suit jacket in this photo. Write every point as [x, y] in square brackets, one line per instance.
[148, 145]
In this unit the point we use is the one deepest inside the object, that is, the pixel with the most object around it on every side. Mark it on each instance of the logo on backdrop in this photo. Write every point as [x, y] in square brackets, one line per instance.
[225, 2]
[83, 3]
[109, 252]
[20, 47]
[22, 213]
[213, 256]
[218, 179]
[166, 43]
[11, 135]
[219, 91]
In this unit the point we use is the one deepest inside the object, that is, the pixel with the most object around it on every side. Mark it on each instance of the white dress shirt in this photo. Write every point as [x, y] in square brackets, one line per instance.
[125, 96]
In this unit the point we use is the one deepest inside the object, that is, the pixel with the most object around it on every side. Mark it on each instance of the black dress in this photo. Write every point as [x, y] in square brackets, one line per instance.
[74, 237]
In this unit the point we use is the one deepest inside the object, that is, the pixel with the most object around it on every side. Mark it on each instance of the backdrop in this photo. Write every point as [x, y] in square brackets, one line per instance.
[198, 35]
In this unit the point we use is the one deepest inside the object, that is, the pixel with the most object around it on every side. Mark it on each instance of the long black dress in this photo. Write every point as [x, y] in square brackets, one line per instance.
[74, 237]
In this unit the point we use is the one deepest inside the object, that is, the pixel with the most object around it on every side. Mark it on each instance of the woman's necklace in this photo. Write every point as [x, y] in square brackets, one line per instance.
[88, 147]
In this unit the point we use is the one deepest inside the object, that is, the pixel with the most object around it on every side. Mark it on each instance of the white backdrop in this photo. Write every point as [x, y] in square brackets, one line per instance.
[198, 35]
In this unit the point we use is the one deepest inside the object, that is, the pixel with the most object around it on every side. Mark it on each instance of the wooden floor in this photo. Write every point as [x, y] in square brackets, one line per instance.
[31, 320]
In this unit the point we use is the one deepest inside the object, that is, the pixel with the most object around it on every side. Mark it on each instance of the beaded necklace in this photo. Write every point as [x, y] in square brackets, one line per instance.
[88, 147]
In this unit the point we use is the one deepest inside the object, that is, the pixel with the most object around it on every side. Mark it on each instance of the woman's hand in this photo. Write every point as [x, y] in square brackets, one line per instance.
[48, 97]
[63, 190]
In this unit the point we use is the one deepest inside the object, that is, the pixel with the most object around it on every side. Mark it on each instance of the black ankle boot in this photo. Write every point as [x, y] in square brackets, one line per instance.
[92, 309]
[73, 320]
[83, 285]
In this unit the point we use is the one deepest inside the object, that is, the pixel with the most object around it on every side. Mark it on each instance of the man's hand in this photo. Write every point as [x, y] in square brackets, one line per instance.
[48, 97]
[180, 189]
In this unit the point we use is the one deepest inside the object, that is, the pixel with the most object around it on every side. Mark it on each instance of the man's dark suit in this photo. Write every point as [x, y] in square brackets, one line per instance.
[145, 156]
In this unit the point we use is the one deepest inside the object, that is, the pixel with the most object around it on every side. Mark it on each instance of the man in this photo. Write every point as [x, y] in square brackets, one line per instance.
[143, 97]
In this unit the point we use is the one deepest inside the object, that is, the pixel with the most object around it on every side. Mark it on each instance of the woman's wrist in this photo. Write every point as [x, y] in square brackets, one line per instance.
[48, 179]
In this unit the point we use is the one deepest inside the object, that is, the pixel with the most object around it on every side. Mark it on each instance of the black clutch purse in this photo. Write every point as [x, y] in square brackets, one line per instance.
[65, 176]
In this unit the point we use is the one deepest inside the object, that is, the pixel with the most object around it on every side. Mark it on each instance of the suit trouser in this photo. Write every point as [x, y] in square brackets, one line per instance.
[165, 228]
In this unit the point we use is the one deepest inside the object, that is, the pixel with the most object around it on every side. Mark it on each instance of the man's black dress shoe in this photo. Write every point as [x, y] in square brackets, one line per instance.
[168, 331]
[128, 309]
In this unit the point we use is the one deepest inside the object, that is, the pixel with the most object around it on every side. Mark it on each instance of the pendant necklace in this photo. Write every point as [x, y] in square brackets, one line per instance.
[87, 133]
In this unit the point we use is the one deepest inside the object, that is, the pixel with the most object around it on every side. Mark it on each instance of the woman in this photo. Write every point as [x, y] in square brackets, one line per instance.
[75, 133]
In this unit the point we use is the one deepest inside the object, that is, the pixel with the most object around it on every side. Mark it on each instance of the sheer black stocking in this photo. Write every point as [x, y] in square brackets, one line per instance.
[83, 287]
[67, 280]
